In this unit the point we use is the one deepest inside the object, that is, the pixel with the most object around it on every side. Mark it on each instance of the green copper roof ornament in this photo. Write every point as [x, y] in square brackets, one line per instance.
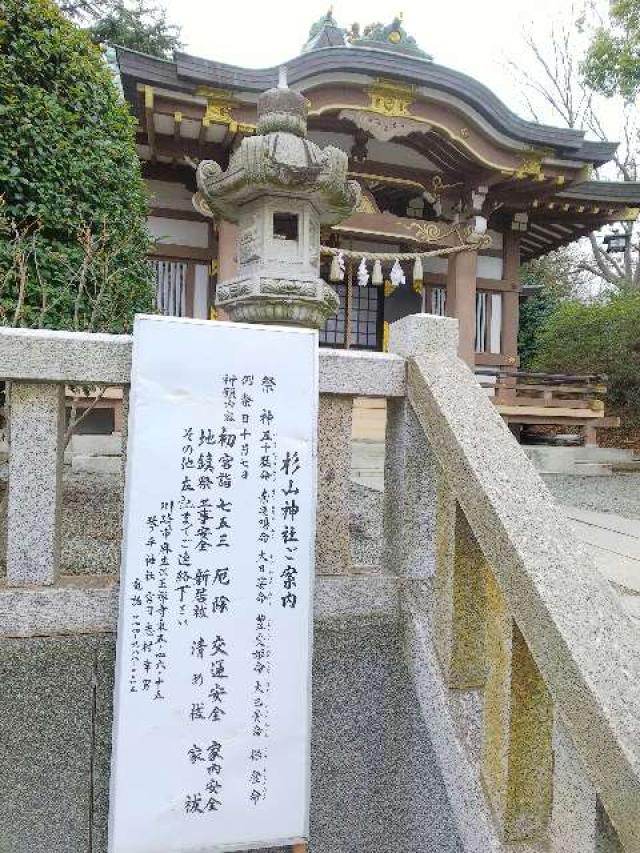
[325, 33]
[393, 37]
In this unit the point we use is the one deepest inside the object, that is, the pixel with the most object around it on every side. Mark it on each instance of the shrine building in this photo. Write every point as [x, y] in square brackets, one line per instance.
[438, 156]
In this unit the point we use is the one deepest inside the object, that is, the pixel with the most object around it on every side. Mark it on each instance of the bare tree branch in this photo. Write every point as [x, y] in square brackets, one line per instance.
[75, 421]
[552, 85]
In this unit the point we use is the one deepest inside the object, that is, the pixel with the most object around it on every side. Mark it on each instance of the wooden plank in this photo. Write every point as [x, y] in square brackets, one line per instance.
[177, 213]
[563, 389]
[538, 402]
[188, 253]
[490, 284]
[546, 412]
[490, 359]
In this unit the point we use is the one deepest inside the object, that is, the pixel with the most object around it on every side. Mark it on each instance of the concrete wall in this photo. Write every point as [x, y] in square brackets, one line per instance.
[376, 785]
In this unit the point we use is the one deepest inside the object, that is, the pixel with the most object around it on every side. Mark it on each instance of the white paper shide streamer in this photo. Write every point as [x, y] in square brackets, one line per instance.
[337, 268]
[397, 275]
[363, 273]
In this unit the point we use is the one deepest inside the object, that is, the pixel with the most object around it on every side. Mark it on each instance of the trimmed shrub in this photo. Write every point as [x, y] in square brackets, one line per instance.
[73, 241]
[598, 337]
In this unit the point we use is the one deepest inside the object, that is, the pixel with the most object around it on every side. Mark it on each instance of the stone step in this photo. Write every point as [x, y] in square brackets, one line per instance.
[631, 467]
[96, 464]
[97, 445]
[584, 461]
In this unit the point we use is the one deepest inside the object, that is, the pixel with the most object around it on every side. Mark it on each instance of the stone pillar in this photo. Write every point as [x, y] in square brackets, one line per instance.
[227, 251]
[517, 754]
[460, 608]
[413, 476]
[35, 473]
[511, 297]
[333, 554]
[574, 816]
[461, 300]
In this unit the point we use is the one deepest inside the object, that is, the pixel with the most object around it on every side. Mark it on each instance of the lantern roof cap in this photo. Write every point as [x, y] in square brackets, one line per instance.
[283, 109]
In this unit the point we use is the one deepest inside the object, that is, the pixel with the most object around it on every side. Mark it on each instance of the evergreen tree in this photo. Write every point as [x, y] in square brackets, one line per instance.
[612, 64]
[138, 25]
[548, 282]
[73, 238]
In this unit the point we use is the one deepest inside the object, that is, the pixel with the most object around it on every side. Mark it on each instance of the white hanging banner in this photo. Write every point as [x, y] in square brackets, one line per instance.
[212, 707]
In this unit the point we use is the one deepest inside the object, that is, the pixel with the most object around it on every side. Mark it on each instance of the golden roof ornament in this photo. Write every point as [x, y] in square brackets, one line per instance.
[392, 36]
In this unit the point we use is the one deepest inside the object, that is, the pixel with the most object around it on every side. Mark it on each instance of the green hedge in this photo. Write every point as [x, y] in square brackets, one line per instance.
[69, 177]
[600, 337]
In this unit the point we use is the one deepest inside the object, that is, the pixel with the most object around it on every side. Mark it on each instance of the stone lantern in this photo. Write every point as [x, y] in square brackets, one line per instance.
[280, 188]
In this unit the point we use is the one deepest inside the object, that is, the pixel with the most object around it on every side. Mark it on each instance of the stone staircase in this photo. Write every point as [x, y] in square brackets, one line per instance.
[582, 461]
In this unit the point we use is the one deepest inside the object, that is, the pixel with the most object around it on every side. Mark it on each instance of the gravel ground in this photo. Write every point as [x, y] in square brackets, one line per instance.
[619, 493]
[365, 524]
[91, 516]
[91, 524]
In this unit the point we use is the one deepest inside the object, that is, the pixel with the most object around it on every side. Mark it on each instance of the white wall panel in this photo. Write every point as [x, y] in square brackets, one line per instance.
[180, 231]
[200, 295]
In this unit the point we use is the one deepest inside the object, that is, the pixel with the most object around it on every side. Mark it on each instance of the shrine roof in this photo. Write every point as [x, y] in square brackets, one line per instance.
[412, 129]
[612, 192]
[186, 73]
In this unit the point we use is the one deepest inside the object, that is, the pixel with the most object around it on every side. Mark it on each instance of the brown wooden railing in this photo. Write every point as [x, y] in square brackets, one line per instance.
[527, 397]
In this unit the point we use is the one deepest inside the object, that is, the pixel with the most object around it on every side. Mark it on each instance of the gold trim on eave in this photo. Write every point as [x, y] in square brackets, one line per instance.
[391, 99]
[219, 105]
[453, 136]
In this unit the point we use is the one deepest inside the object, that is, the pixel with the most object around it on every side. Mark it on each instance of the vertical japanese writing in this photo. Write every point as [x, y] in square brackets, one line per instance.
[149, 602]
[289, 509]
[266, 542]
[212, 716]
[219, 574]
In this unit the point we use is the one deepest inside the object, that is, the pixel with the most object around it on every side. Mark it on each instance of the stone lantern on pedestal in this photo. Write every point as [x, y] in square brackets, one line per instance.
[280, 188]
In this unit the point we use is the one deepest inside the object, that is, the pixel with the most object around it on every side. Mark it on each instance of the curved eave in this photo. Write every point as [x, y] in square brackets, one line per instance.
[611, 192]
[187, 71]
[544, 237]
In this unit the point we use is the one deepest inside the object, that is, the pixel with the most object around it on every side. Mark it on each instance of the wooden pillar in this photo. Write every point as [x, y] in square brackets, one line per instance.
[461, 300]
[227, 250]
[511, 297]
[190, 291]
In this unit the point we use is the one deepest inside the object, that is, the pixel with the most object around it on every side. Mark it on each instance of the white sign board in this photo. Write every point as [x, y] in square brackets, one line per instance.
[212, 706]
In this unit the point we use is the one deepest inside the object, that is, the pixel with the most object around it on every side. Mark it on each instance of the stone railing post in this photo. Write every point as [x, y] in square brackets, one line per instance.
[517, 748]
[333, 553]
[575, 806]
[35, 473]
[460, 600]
[412, 473]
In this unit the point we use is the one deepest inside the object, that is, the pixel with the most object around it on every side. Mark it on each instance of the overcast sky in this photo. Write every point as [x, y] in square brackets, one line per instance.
[470, 36]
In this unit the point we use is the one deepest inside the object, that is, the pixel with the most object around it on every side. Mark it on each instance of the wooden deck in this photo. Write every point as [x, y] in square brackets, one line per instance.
[524, 398]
